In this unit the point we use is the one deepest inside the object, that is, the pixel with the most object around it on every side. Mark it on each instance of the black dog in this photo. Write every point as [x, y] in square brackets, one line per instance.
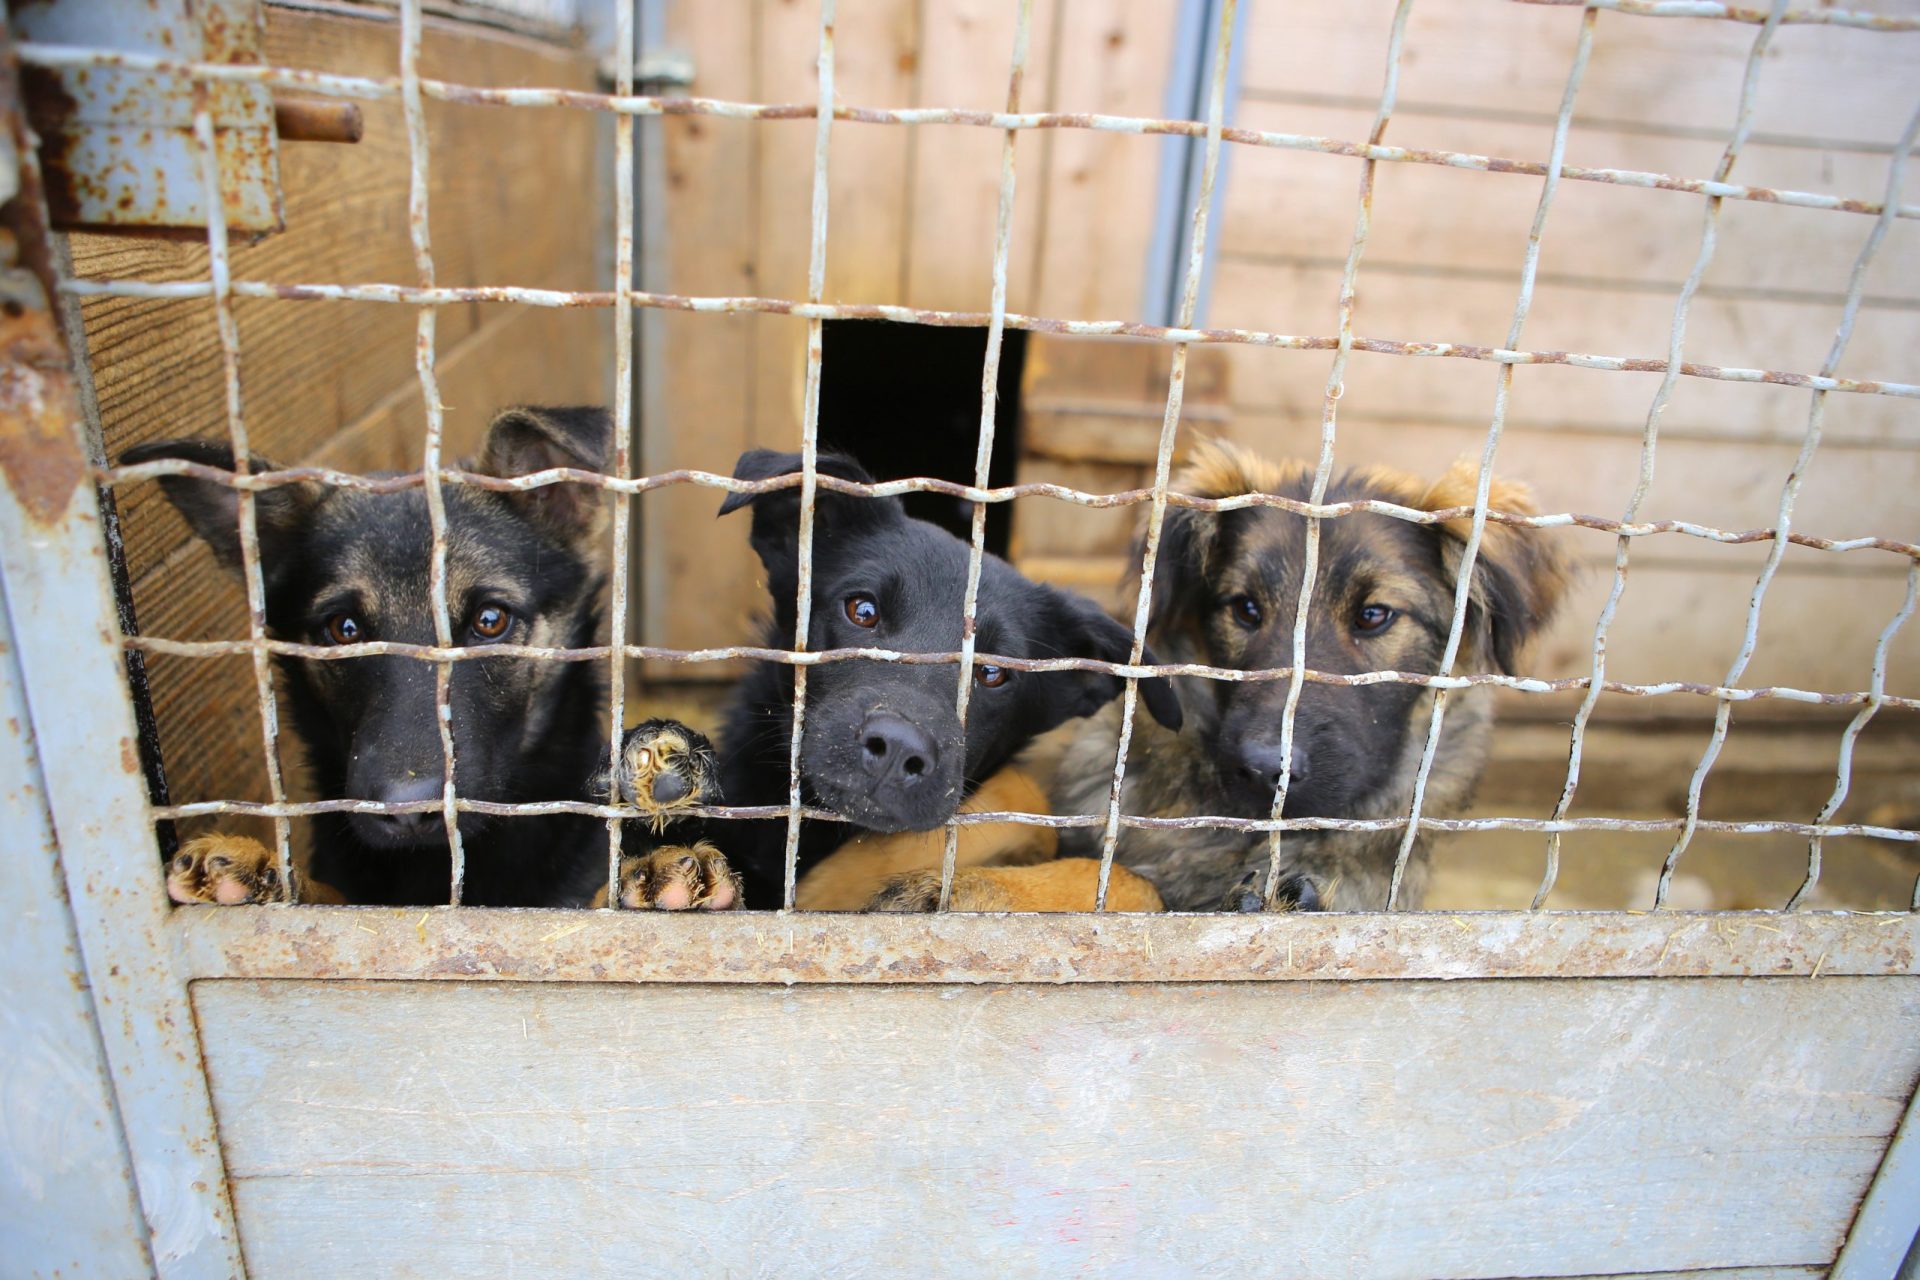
[346, 566]
[882, 743]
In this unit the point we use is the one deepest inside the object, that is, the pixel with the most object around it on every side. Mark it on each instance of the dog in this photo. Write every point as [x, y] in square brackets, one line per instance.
[882, 744]
[344, 566]
[1225, 595]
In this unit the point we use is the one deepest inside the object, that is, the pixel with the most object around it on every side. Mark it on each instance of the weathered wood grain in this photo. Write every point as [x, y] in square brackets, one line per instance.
[1395, 1129]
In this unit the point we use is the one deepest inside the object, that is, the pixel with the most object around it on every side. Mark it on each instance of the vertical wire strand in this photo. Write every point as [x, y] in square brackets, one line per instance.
[413, 104]
[1649, 438]
[1789, 494]
[1843, 773]
[622, 415]
[1463, 585]
[989, 398]
[247, 517]
[1169, 429]
[1323, 466]
[809, 445]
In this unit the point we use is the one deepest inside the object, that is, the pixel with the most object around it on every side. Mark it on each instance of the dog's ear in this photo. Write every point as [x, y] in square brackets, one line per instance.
[1187, 538]
[1190, 537]
[1519, 577]
[212, 509]
[776, 514]
[530, 438]
[1080, 629]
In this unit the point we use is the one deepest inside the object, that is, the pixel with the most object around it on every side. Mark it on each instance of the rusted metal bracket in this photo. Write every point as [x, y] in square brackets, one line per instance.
[117, 146]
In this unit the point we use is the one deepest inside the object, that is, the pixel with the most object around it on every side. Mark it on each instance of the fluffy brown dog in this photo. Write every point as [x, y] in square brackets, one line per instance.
[1225, 595]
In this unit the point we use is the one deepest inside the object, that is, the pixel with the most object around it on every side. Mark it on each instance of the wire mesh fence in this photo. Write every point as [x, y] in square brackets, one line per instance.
[413, 91]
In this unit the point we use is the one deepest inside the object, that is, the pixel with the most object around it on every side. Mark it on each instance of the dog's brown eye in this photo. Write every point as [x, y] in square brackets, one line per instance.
[344, 628]
[1373, 617]
[491, 622]
[1246, 611]
[863, 610]
[991, 677]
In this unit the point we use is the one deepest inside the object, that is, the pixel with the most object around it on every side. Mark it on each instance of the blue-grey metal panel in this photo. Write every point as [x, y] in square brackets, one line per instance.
[66, 635]
[67, 1204]
[1887, 1230]
[1195, 35]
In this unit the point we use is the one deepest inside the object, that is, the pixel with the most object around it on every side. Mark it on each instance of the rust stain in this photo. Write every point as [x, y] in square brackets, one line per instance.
[129, 756]
[39, 456]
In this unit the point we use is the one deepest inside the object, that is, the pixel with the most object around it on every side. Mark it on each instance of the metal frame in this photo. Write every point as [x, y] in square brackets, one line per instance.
[139, 955]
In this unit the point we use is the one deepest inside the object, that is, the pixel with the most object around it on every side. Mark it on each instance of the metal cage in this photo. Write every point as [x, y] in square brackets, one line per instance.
[167, 988]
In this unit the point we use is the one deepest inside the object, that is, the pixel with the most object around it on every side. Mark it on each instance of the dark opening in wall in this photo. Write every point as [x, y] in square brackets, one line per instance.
[905, 400]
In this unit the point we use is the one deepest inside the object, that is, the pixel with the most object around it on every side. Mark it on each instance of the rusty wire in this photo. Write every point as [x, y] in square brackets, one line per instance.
[1141, 671]
[219, 273]
[423, 356]
[622, 418]
[1348, 302]
[989, 397]
[413, 90]
[1789, 492]
[1062, 821]
[182, 289]
[1843, 772]
[1709, 242]
[376, 88]
[114, 476]
[809, 446]
[1169, 429]
[1746, 13]
[1483, 485]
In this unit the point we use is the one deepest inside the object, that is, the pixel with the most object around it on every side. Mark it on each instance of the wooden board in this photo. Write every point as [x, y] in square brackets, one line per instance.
[1310, 1129]
[514, 200]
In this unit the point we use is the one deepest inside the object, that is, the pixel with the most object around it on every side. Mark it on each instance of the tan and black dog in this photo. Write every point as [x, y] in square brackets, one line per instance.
[345, 566]
[1225, 595]
[1226, 591]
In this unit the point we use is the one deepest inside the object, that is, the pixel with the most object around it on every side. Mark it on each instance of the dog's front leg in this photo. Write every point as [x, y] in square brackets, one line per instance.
[665, 768]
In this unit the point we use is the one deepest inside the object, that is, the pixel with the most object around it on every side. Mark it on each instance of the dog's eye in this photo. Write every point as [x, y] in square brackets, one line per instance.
[491, 621]
[863, 610]
[1373, 618]
[991, 677]
[1246, 611]
[344, 628]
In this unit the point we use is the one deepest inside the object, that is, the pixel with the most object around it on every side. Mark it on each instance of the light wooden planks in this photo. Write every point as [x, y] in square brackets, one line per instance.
[1314, 1129]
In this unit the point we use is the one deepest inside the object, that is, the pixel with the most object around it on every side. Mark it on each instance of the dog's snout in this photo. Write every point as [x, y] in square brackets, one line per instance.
[1260, 764]
[669, 787]
[895, 749]
[411, 791]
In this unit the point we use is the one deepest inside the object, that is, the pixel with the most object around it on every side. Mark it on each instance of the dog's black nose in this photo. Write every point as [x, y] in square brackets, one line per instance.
[1260, 765]
[411, 791]
[669, 787]
[895, 749]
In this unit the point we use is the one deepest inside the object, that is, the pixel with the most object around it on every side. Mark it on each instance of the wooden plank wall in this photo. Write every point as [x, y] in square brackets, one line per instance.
[1300, 1129]
[911, 221]
[1444, 260]
[515, 200]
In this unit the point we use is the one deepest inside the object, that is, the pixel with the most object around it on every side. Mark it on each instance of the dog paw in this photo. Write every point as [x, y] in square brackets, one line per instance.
[663, 767]
[227, 870]
[1297, 892]
[692, 877]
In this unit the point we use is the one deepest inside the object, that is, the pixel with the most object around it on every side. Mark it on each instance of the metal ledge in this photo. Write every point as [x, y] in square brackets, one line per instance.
[470, 943]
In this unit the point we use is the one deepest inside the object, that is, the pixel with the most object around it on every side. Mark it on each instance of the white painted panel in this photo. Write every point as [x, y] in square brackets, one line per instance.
[1496, 1128]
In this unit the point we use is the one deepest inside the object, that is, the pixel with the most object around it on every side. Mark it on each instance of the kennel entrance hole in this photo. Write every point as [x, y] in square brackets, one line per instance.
[905, 401]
